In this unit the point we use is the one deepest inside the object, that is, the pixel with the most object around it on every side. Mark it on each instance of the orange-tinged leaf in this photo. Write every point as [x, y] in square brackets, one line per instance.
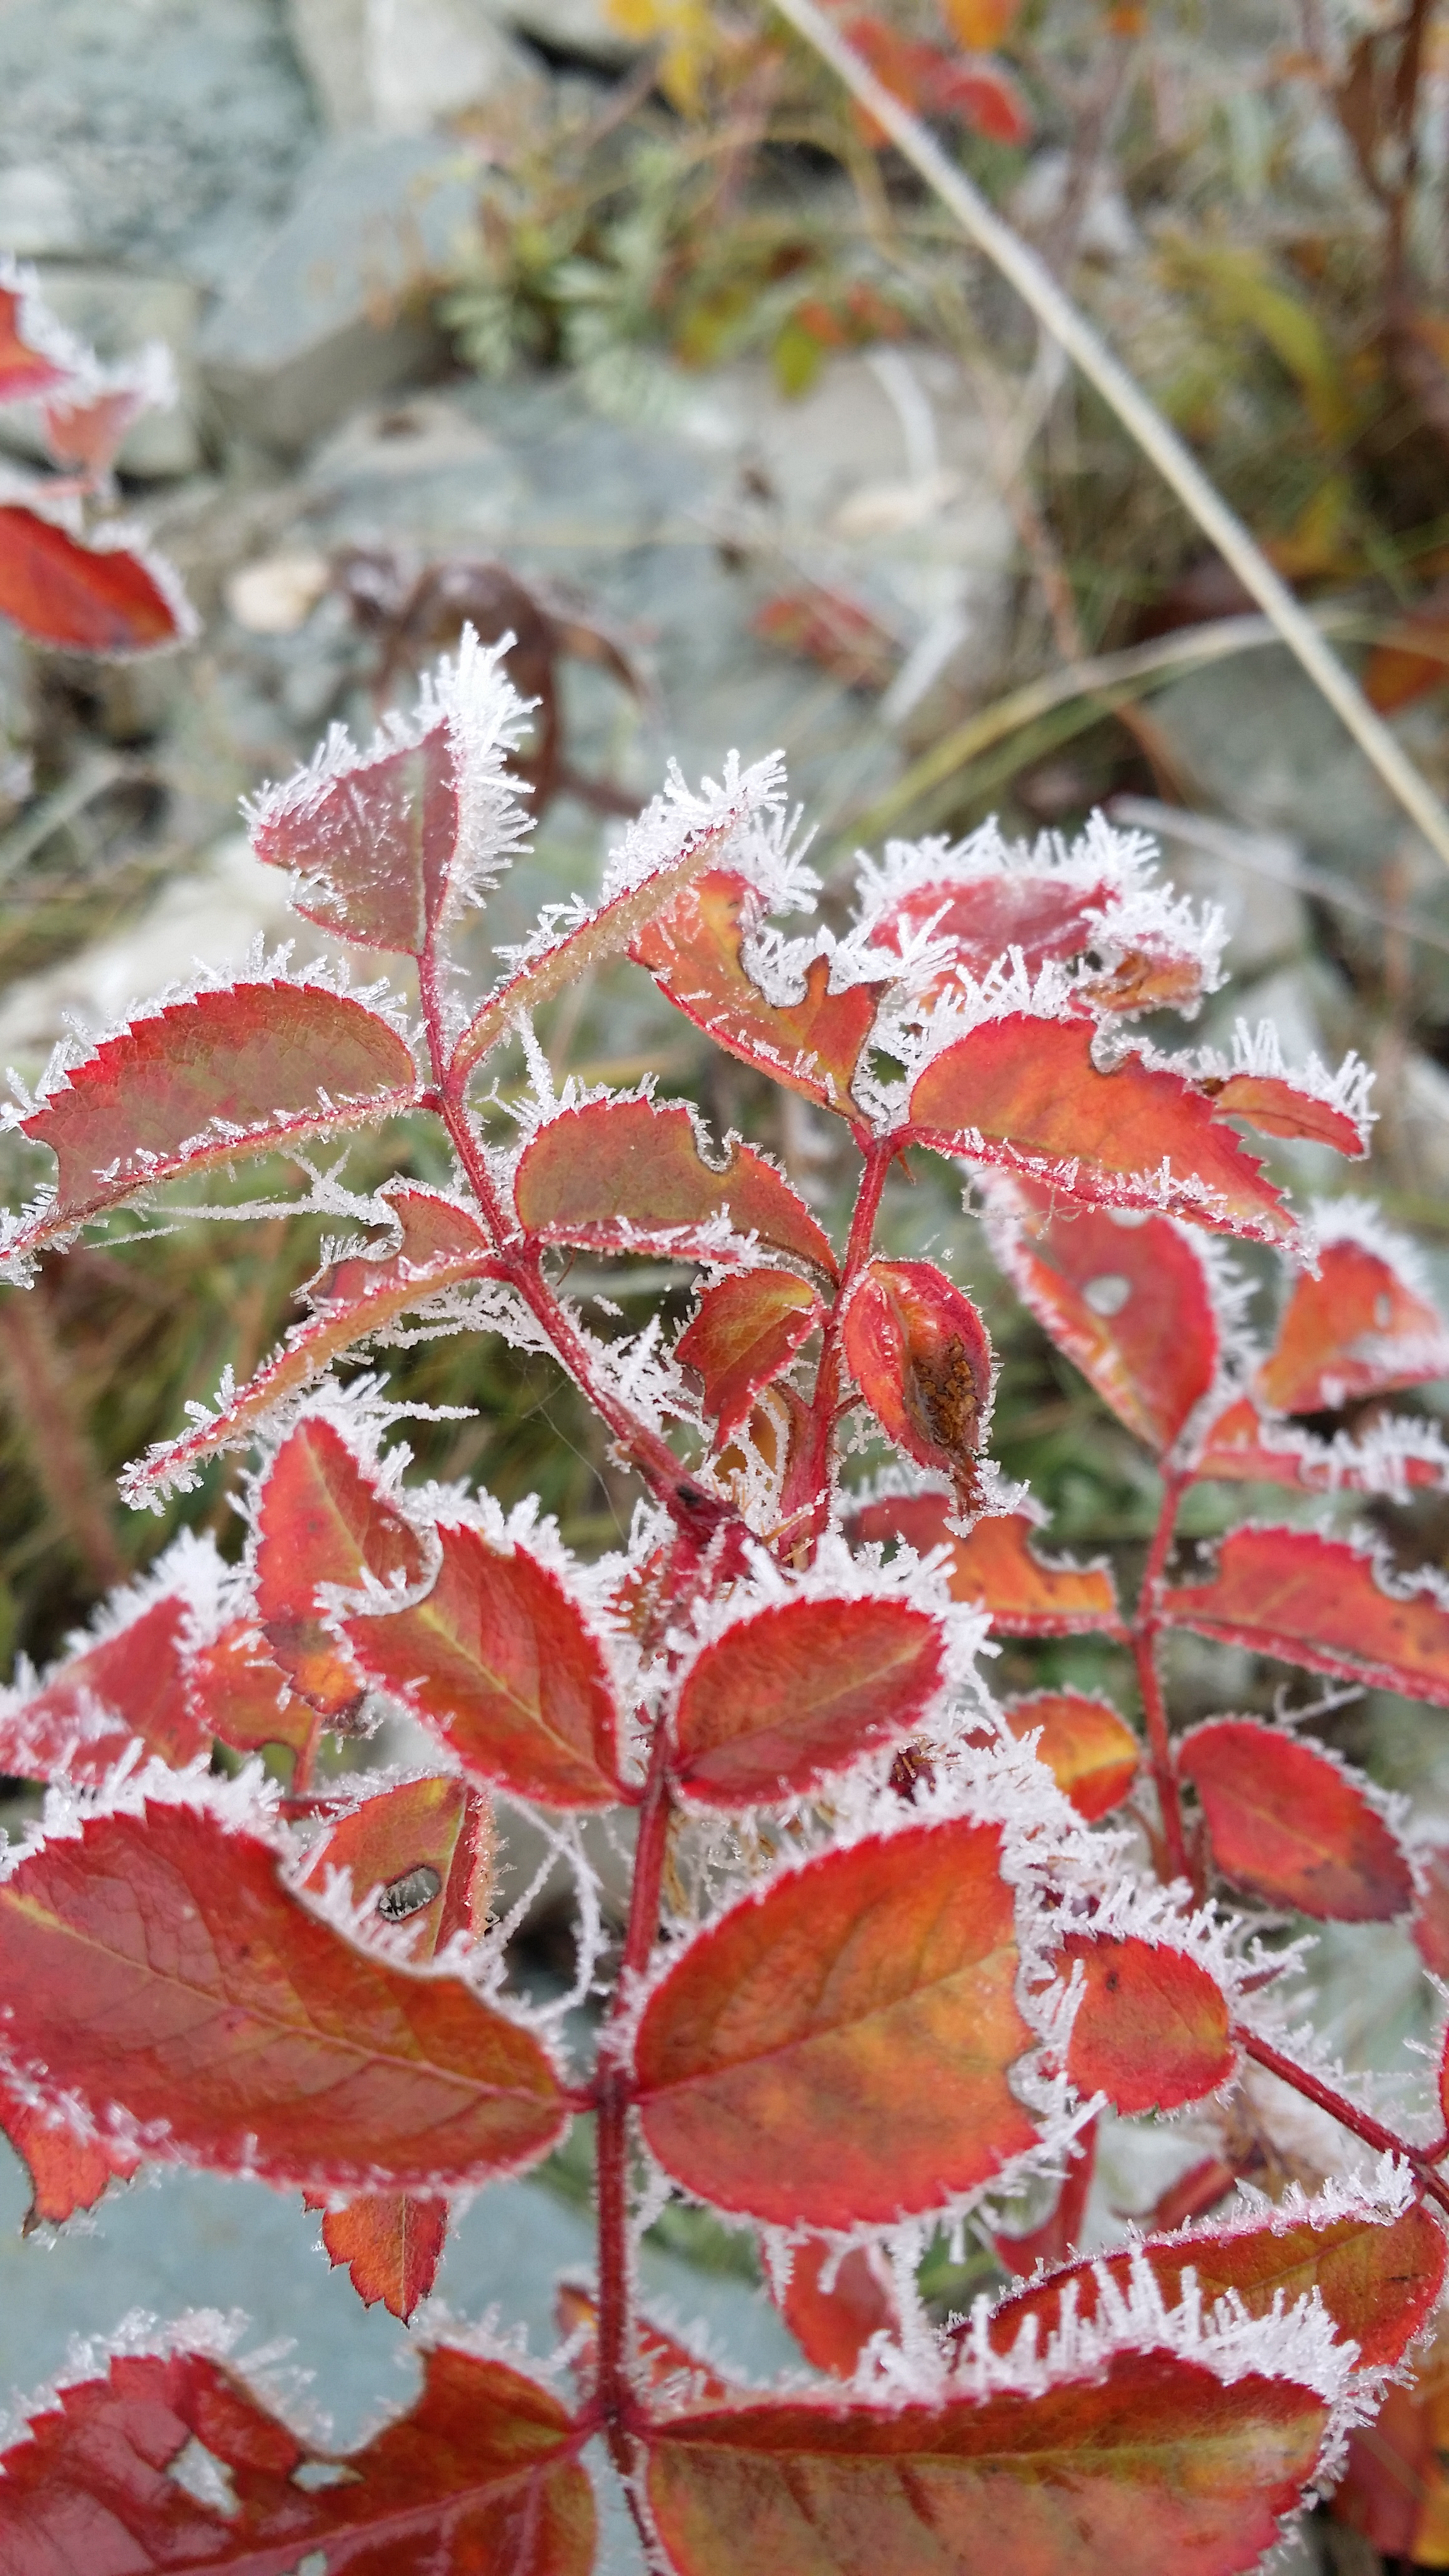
[747, 1330]
[352, 1302]
[1152, 2027]
[155, 1965]
[234, 1072]
[67, 2172]
[373, 841]
[321, 1520]
[1412, 658]
[423, 1849]
[390, 2241]
[479, 2475]
[980, 94]
[833, 2326]
[88, 1709]
[997, 1567]
[1378, 2278]
[979, 25]
[623, 1175]
[774, 2056]
[1395, 2490]
[86, 595]
[27, 367]
[1277, 1107]
[1128, 1300]
[1045, 916]
[237, 1692]
[919, 1353]
[1023, 1093]
[1286, 1823]
[1153, 2466]
[695, 953]
[1091, 1753]
[801, 1690]
[1320, 1602]
[498, 1662]
[823, 626]
[1431, 1918]
[1360, 1328]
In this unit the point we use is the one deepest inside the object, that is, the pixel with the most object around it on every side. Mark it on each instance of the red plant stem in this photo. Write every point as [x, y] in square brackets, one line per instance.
[880, 1153]
[520, 1264]
[1348, 2115]
[1145, 1627]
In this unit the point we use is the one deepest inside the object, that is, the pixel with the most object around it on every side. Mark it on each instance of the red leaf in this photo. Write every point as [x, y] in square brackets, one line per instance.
[1048, 917]
[1152, 2027]
[67, 2172]
[1023, 1093]
[27, 367]
[373, 841]
[234, 1690]
[998, 1568]
[96, 595]
[1360, 1328]
[321, 1520]
[918, 1352]
[775, 2055]
[833, 2327]
[424, 1850]
[1127, 1298]
[825, 627]
[1154, 2465]
[1395, 2490]
[1378, 2278]
[129, 1685]
[1287, 1824]
[499, 1663]
[156, 1964]
[782, 1700]
[1091, 1753]
[1431, 1921]
[694, 951]
[390, 2242]
[624, 1176]
[353, 1302]
[981, 94]
[747, 1330]
[235, 1072]
[480, 2475]
[1277, 1107]
[1320, 1602]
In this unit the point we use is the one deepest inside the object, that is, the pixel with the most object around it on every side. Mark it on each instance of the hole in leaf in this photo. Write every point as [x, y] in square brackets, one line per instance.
[314, 2474]
[204, 2477]
[1108, 1295]
[409, 1893]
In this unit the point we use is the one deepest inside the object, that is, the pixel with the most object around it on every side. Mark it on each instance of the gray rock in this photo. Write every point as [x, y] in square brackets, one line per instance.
[335, 309]
[165, 133]
[402, 66]
[119, 315]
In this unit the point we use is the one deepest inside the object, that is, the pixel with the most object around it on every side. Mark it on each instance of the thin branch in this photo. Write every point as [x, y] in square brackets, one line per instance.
[1140, 418]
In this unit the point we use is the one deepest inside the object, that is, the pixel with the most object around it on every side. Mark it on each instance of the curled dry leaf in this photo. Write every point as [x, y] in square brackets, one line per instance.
[236, 1071]
[1151, 2030]
[623, 1176]
[498, 1662]
[695, 951]
[320, 1520]
[156, 1967]
[1023, 1093]
[997, 1568]
[1320, 1602]
[773, 2057]
[1359, 1328]
[782, 1700]
[480, 2473]
[1127, 1298]
[919, 1353]
[1379, 2278]
[1154, 2464]
[1285, 1822]
[747, 1330]
[1091, 1753]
